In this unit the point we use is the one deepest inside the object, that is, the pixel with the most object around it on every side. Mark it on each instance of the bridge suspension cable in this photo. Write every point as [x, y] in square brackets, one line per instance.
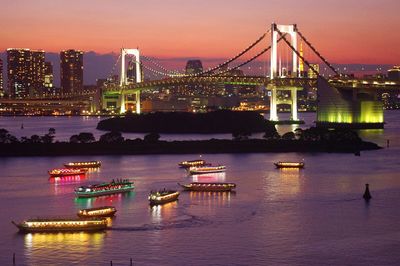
[317, 53]
[233, 58]
[173, 72]
[249, 60]
[113, 68]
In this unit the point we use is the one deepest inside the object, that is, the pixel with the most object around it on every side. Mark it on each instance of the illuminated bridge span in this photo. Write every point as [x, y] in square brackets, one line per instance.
[334, 103]
[234, 80]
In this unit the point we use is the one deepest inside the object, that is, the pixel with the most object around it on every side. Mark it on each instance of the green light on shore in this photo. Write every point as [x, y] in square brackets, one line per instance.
[371, 112]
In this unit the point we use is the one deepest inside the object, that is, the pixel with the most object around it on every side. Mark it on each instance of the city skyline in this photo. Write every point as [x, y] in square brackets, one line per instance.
[181, 30]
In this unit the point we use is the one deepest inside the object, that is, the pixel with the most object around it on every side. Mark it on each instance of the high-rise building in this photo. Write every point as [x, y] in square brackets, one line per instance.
[193, 67]
[310, 73]
[1, 79]
[48, 75]
[25, 72]
[71, 68]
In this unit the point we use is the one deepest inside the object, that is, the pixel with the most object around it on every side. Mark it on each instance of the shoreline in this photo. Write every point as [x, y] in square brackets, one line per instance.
[213, 146]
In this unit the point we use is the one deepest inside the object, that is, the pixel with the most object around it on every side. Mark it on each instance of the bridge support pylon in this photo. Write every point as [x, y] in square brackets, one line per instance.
[124, 80]
[293, 94]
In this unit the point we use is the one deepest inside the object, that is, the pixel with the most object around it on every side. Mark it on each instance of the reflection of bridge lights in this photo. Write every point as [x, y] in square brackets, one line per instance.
[69, 179]
[213, 177]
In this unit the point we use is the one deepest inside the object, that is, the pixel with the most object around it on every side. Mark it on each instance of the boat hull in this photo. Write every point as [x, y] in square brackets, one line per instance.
[102, 193]
[53, 229]
[199, 172]
[82, 166]
[101, 212]
[291, 165]
[164, 199]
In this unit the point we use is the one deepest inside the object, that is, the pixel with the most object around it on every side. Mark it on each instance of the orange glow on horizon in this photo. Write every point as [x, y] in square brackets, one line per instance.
[202, 30]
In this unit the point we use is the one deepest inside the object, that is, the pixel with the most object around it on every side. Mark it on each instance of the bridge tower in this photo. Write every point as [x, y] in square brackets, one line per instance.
[124, 81]
[275, 73]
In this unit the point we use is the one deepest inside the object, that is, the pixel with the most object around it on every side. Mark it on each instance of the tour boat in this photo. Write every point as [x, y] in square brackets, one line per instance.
[217, 187]
[289, 164]
[106, 211]
[207, 169]
[118, 186]
[90, 164]
[66, 172]
[187, 164]
[60, 225]
[163, 196]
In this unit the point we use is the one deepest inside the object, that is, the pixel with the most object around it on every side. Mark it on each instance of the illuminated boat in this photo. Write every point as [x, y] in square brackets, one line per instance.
[106, 211]
[90, 164]
[207, 169]
[218, 187]
[61, 225]
[187, 164]
[289, 164]
[114, 187]
[163, 196]
[66, 172]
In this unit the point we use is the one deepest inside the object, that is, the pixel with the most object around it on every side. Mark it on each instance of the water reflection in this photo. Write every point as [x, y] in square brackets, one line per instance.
[86, 203]
[163, 212]
[44, 246]
[212, 177]
[284, 182]
[211, 199]
[65, 180]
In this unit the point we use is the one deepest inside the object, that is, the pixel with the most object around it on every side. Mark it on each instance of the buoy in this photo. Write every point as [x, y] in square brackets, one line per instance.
[367, 196]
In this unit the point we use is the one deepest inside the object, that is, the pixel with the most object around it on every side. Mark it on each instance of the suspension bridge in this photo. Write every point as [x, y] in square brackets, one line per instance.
[340, 101]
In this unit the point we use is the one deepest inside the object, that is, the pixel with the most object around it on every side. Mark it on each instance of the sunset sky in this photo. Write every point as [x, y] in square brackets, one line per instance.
[345, 31]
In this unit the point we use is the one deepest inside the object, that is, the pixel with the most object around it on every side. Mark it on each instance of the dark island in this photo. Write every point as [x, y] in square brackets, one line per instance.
[223, 121]
[113, 143]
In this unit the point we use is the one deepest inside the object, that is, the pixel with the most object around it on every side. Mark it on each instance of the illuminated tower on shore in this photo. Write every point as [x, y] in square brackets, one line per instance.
[301, 63]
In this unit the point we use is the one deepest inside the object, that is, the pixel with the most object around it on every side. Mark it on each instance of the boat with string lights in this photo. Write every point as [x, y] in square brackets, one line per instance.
[187, 164]
[105, 211]
[207, 169]
[113, 187]
[289, 164]
[61, 225]
[213, 187]
[66, 172]
[89, 164]
[163, 196]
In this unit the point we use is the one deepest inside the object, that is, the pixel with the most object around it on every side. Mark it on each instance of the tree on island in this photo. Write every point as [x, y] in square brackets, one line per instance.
[241, 135]
[83, 137]
[151, 137]
[289, 136]
[271, 135]
[6, 137]
[111, 137]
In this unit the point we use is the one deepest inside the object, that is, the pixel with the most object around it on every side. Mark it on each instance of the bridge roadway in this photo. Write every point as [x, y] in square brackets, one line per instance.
[251, 81]
[207, 80]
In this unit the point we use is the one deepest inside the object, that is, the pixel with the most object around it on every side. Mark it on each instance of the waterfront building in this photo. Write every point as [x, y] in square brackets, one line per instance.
[394, 73]
[1, 79]
[25, 72]
[71, 71]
